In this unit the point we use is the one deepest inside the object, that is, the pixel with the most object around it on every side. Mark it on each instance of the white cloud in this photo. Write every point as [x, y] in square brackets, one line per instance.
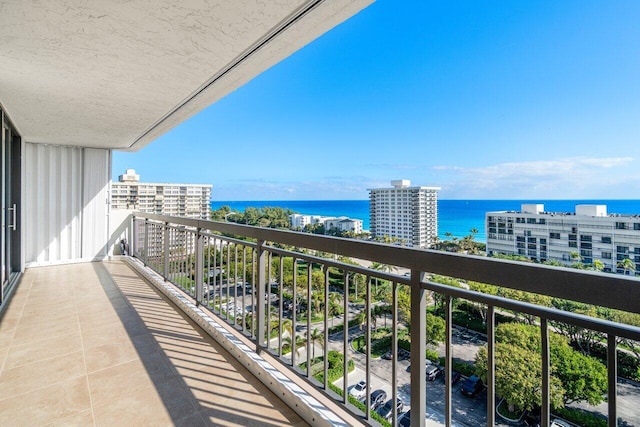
[577, 177]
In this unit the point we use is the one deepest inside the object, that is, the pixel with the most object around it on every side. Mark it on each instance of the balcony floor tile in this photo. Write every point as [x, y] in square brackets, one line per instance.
[94, 344]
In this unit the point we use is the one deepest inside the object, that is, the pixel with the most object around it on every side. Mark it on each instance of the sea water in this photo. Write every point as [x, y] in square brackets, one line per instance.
[457, 217]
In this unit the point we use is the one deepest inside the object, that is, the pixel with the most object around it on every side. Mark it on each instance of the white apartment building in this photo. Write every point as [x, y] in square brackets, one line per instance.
[185, 200]
[301, 221]
[342, 223]
[588, 232]
[407, 213]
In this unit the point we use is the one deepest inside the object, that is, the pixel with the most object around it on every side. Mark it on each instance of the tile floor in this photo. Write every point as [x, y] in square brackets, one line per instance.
[93, 344]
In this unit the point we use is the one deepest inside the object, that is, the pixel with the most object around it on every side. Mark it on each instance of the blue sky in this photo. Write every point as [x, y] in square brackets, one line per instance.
[485, 99]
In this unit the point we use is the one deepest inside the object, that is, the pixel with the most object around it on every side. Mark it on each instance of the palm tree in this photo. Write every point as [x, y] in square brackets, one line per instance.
[316, 337]
[335, 309]
[598, 265]
[576, 258]
[628, 265]
[299, 342]
[287, 326]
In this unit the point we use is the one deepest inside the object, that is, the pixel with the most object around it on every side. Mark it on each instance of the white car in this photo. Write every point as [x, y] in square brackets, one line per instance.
[359, 390]
[559, 423]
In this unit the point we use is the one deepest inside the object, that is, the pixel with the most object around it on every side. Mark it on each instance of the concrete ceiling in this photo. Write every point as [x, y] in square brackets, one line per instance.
[117, 74]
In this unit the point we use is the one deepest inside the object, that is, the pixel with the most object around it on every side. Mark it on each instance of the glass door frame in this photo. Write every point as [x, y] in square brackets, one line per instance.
[10, 206]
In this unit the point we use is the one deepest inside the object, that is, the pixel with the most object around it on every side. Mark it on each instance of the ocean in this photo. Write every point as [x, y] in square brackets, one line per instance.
[454, 216]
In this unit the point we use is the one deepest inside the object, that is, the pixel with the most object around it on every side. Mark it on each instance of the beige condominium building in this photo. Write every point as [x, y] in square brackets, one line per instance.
[408, 214]
[586, 235]
[185, 200]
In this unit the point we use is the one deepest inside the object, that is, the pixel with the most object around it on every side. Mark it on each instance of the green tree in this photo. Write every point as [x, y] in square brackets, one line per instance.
[597, 265]
[575, 377]
[316, 337]
[299, 342]
[335, 306]
[485, 289]
[435, 329]
[583, 378]
[627, 265]
[220, 214]
[518, 377]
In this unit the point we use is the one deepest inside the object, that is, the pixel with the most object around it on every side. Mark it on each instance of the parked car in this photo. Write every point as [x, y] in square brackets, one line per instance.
[377, 398]
[432, 372]
[405, 419]
[359, 390]
[455, 377]
[560, 423]
[386, 411]
[472, 386]
[402, 354]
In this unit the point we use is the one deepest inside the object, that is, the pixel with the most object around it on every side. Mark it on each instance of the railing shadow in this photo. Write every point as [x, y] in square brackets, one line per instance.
[202, 374]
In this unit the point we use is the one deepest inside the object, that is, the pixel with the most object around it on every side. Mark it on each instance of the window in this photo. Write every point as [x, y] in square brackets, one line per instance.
[573, 244]
[606, 239]
[606, 255]
[554, 235]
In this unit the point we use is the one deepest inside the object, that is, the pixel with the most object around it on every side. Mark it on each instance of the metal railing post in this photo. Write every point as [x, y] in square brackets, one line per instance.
[133, 248]
[491, 365]
[418, 350]
[167, 236]
[448, 359]
[612, 389]
[261, 256]
[394, 345]
[325, 362]
[146, 243]
[199, 273]
[546, 408]
[345, 338]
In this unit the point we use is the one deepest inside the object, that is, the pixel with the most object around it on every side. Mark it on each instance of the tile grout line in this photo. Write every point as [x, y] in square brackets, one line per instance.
[84, 357]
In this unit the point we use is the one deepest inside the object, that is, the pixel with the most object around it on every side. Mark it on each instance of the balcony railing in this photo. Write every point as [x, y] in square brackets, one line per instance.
[240, 274]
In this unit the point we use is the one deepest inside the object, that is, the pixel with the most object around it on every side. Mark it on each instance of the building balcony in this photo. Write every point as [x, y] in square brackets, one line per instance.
[156, 339]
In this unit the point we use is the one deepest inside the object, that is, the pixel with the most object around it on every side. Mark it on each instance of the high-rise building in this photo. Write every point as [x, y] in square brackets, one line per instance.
[403, 212]
[587, 235]
[185, 200]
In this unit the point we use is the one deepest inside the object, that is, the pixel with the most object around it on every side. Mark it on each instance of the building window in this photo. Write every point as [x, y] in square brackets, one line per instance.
[606, 239]
[606, 255]
[573, 244]
[554, 235]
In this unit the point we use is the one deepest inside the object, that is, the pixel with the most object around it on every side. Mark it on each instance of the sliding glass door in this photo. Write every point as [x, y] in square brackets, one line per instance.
[10, 262]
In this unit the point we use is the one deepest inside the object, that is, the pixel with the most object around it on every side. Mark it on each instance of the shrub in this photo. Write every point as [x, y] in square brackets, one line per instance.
[581, 418]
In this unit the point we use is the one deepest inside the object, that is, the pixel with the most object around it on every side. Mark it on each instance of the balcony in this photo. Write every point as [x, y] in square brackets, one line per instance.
[258, 258]
[94, 344]
[96, 341]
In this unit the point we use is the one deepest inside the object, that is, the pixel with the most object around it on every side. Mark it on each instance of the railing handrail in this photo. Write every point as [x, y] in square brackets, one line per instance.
[589, 287]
